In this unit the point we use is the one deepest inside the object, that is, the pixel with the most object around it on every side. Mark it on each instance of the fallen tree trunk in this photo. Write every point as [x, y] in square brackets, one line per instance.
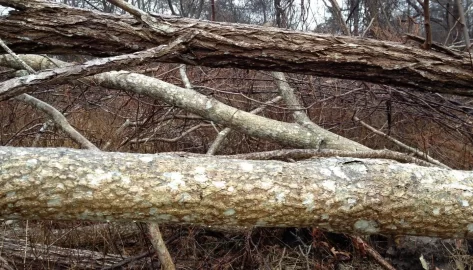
[45, 27]
[365, 196]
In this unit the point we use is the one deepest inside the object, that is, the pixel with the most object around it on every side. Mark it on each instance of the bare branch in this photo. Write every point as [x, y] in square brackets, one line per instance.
[137, 13]
[466, 35]
[213, 110]
[160, 247]
[289, 134]
[428, 30]
[58, 119]
[17, 86]
[184, 78]
[83, 259]
[17, 59]
[297, 154]
[372, 252]
[338, 14]
[4, 264]
[55, 115]
[224, 133]
[77, 236]
[404, 146]
[287, 93]
[175, 139]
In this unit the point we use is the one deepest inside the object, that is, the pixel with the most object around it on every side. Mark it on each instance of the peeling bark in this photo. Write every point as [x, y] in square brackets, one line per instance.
[363, 196]
[45, 27]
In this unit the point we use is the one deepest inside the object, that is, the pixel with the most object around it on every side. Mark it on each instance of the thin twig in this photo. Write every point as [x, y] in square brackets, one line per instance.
[4, 264]
[403, 145]
[298, 154]
[372, 252]
[175, 139]
[128, 260]
[368, 27]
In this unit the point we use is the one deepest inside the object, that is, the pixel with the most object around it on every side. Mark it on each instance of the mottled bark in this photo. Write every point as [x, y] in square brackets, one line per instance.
[45, 27]
[366, 196]
[218, 112]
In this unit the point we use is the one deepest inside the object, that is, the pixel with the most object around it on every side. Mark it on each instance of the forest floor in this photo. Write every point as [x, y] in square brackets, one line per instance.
[127, 246]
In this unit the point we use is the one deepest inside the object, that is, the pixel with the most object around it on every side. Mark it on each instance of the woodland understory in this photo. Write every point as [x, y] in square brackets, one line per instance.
[358, 156]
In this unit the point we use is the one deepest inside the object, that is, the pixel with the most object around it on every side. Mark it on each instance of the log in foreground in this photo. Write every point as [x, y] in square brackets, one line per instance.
[364, 196]
[48, 27]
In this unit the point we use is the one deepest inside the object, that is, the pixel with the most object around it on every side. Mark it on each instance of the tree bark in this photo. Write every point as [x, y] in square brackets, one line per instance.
[209, 108]
[20, 85]
[363, 196]
[45, 27]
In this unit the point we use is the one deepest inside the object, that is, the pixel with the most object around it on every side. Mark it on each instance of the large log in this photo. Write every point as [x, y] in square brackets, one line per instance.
[365, 196]
[46, 27]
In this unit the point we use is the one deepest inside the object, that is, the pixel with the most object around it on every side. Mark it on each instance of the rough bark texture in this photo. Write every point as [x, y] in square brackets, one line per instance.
[363, 196]
[45, 27]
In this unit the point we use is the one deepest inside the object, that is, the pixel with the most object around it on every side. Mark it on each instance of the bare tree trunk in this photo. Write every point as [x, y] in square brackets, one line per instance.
[225, 45]
[338, 14]
[466, 35]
